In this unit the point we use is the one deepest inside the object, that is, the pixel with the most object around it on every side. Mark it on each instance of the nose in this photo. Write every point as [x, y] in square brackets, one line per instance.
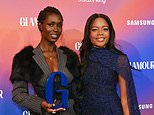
[100, 32]
[55, 28]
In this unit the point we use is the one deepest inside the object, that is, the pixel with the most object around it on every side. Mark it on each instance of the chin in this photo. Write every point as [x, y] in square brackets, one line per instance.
[53, 40]
[100, 45]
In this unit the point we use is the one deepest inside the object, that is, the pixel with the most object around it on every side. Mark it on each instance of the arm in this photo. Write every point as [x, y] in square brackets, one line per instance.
[123, 95]
[20, 96]
[127, 87]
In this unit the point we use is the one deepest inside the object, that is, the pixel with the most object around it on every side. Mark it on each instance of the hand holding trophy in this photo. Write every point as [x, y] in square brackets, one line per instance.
[57, 99]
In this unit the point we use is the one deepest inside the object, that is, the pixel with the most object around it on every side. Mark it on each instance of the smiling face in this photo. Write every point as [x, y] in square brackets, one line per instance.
[99, 33]
[51, 28]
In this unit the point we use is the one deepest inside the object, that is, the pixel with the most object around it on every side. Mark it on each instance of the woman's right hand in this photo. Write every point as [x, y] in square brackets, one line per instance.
[49, 107]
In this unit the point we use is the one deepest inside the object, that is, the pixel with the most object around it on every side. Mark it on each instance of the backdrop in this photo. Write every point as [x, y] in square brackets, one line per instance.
[133, 21]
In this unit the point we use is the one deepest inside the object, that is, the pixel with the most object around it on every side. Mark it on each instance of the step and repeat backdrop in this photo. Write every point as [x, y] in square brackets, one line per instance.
[133, 21]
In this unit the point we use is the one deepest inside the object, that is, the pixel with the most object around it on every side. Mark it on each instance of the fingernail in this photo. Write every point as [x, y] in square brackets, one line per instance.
[53, 112]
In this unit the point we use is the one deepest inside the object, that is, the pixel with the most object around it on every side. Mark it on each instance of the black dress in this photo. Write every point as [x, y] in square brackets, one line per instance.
[100, 80]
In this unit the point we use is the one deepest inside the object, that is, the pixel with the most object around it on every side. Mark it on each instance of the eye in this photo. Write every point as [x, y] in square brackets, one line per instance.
[51, 24]
[59, 24]
[106, 28]
[93, 29]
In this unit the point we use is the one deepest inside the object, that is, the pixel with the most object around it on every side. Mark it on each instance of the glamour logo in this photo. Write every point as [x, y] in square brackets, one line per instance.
[140, 22]
[28, 21]
[1, 94]
[78, 45]
[143, 65]
[145, 106]
[99, 1]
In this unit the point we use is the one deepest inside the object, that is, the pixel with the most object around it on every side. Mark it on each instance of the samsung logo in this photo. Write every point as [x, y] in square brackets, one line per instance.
[1, 94]
[93, 1]
[140, 22]
[145, 106]
[144, 65]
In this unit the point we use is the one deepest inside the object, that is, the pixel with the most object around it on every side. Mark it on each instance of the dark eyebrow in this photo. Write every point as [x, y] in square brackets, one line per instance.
[97, 26]
[55, 22]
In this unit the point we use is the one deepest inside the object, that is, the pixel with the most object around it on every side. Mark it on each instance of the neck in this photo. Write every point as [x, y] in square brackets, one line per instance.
[47, 46]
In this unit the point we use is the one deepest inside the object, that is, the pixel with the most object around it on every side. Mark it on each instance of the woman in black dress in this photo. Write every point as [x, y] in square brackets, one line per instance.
[103, 67]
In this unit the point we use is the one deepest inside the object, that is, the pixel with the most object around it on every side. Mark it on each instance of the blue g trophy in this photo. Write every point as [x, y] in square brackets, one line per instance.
[50, 90]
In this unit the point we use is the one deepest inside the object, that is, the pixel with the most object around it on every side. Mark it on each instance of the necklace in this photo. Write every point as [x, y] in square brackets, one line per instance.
[51, 58]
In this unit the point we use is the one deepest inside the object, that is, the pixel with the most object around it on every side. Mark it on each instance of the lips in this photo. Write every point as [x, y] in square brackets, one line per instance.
[100, 39]
[55, 36]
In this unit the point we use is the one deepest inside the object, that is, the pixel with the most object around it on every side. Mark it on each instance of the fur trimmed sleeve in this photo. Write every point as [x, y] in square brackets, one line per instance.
[21, 64]
[73, 65]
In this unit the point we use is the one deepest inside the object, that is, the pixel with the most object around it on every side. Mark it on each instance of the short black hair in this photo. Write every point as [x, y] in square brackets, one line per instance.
[46, 12]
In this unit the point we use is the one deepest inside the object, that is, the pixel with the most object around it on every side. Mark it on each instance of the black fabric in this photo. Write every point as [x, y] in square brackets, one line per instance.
[24, 67]
[100, 84]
